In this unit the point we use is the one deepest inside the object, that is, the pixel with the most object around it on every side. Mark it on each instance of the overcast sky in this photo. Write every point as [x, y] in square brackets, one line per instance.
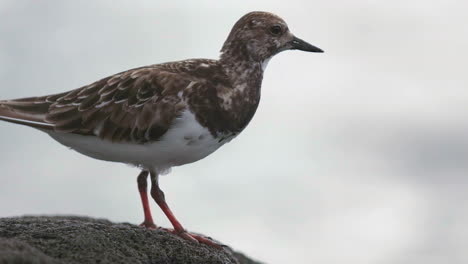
[358, 155]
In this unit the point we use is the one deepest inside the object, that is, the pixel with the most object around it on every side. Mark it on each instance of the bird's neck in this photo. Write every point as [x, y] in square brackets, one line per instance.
[242, 69]
[239, 101]
[244, 73]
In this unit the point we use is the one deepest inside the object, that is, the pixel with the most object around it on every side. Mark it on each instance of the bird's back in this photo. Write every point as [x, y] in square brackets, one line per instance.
[161, 115]
[137, 105]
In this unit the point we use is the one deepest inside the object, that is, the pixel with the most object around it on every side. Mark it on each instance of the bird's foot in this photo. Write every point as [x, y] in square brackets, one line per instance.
[196, 238]
[149, 225]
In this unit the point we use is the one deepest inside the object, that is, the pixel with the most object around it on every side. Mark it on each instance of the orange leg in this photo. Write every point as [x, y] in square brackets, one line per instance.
[142, 188]
[158, 196]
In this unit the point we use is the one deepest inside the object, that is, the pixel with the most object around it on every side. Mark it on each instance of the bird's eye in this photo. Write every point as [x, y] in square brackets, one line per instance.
[276, 30]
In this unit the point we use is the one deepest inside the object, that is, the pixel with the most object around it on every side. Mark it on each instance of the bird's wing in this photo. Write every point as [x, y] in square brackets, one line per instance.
[138, 105]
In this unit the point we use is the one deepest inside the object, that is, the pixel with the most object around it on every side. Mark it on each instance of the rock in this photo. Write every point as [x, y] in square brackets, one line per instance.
[15, 251]
[62, 239]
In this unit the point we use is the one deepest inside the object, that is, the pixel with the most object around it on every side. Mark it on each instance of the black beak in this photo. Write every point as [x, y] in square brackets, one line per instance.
[299, 44]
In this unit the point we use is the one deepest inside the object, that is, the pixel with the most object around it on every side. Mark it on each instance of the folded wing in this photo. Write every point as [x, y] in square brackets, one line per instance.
[138, 105]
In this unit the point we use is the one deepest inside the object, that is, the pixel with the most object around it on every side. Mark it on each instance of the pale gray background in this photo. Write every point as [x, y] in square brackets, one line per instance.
[357, 155]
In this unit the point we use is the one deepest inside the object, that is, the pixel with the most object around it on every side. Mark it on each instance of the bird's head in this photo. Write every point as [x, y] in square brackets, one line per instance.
[258, 36]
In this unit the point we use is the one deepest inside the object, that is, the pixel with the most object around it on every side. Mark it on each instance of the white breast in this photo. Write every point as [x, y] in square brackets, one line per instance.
[185, 142]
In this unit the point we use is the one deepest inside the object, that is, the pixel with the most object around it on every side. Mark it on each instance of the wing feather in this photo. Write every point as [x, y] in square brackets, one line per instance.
[134, 106]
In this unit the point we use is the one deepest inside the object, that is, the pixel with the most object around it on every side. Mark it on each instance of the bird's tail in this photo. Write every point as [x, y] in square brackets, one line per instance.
[28, 111]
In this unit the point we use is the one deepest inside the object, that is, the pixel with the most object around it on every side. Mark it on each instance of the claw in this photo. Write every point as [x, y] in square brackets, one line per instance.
[195, 238]
[149, 225]
[187, 236]
[165, 229]
[201, 239]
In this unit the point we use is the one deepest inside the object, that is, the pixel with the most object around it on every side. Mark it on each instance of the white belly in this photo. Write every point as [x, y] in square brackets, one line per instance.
[185, 142]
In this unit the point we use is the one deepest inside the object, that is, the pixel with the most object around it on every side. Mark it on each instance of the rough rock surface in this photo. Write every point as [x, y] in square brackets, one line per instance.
[63, 239]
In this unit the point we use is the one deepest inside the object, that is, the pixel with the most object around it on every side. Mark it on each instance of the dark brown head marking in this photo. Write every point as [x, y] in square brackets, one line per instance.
[257, 36]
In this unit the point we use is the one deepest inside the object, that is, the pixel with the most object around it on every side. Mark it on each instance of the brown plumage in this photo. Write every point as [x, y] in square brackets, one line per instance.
[164, 115]
[139, 105]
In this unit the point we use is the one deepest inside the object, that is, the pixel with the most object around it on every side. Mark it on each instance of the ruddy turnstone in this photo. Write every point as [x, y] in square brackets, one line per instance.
[164, 115]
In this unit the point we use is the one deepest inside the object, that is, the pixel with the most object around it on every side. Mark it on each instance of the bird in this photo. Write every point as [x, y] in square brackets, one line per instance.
[164, 115]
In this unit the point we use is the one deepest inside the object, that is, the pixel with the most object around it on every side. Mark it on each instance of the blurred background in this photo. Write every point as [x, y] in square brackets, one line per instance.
[357, 155]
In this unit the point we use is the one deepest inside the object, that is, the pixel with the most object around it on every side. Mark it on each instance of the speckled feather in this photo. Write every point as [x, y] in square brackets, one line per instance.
[141, 105]
[164, 115]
